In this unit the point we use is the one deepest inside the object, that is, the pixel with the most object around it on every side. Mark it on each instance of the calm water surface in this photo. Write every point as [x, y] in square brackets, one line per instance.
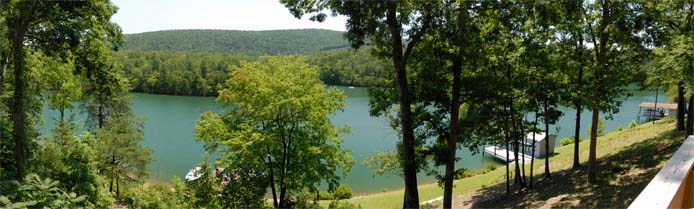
[170, 132]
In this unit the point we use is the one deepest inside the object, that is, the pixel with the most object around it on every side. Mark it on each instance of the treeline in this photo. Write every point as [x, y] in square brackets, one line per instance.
[253, 43]
[201, 73]
[176, 73]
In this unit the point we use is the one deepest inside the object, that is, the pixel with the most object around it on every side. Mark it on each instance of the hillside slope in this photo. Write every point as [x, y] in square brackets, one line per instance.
[253, 43]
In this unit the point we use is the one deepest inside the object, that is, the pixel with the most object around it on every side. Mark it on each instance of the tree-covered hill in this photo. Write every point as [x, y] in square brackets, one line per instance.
[253, 43]
[202, 73]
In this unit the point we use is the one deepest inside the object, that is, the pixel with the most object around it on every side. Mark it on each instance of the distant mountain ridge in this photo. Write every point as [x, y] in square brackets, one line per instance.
[253, 43]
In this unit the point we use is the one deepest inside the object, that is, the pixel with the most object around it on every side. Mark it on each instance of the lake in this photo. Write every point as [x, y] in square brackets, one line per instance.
[170, 132]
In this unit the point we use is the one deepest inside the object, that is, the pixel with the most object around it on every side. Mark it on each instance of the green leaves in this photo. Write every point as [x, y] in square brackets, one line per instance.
[277, 125]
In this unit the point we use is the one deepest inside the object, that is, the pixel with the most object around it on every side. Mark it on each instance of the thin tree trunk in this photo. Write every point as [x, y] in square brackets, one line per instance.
[690, 117]
[453, 135]
[409, 163]
[532, 155]
[272, 180]
[579, 108]
[681, 103]
[508, 161]
[547, 173]
[523, 151]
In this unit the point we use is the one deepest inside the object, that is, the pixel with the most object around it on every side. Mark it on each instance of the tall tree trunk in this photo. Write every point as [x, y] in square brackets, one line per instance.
[592, 165]
[19, 106]
[690, 116]
[508, 161]
[532, 155]
[547, 173]
[408, 154]
[453, 135]
[523, 150]
[681, 103]
[272, 180]
[601, 51]
[579, 108]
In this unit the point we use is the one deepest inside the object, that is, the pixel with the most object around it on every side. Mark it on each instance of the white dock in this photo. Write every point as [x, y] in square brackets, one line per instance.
[500, 153]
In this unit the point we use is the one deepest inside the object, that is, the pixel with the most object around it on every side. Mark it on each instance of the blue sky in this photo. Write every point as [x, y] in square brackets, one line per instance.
[136, 16]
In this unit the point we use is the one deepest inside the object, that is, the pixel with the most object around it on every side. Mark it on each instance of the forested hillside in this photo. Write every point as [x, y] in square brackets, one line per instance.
[253, 43]
[200, 73]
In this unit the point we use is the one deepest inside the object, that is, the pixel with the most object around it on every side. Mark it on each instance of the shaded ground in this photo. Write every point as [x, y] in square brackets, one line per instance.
[622, 175]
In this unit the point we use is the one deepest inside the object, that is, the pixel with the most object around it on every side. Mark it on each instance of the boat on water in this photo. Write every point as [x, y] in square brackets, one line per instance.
[194, 174]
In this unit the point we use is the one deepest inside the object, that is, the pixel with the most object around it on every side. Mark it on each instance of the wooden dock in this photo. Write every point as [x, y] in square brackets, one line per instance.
[500, 153]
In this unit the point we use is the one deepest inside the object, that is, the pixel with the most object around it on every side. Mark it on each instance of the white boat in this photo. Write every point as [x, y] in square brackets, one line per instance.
[194, 174]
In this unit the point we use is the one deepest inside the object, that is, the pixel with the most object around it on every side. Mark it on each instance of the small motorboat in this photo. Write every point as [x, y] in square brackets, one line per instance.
[194, 174]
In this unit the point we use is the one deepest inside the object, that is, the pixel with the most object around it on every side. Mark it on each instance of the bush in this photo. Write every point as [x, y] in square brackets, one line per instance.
[462, 173]
[343, 192]
[151, 196]
[567, 141]
[633, 124]
[620, 128]
[323, 195]
[492, 166]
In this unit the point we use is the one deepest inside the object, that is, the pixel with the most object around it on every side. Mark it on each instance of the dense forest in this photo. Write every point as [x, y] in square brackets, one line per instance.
[201, 73]
[253, 43]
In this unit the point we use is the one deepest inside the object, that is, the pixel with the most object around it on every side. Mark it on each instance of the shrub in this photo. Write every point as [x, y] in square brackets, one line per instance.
[343, 192]
[633, 124]
[462, 173]
[151, 196]
[492, 166]
[323, 195]
[620, 128]
[567, 141]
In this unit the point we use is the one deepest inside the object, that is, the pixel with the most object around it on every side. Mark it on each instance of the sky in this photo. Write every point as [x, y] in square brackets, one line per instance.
[136, 16]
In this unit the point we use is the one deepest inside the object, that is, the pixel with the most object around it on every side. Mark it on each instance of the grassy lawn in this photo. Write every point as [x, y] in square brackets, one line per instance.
[628, 160]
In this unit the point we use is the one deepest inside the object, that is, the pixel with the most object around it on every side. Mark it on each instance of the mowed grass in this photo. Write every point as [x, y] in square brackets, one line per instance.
[489, 189]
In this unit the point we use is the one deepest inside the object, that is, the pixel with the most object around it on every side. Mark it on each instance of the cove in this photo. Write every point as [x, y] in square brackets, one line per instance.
[170, 131]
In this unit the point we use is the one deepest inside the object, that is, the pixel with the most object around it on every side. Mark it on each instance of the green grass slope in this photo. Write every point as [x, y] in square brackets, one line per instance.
[628, 160]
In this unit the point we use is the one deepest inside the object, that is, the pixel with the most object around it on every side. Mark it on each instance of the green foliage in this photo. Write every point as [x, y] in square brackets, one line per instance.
[350, 67]
[343, 192]
[177, 73]
[601, 127]
[343, 205]
[620, 128]
[633, 124]
[324, 195]
[148, 196]
[491, 166]
[279, 125]
[567, 141]
[382, 163]
[253, 43]
[72, 161]
[462, 173]
[36, 192]
[119, 154]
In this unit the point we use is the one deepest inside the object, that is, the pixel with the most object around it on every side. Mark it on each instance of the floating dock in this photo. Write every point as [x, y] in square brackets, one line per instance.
[500, 153]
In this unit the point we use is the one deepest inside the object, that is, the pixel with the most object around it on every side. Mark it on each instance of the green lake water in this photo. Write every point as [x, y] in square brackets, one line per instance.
[170, 125]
